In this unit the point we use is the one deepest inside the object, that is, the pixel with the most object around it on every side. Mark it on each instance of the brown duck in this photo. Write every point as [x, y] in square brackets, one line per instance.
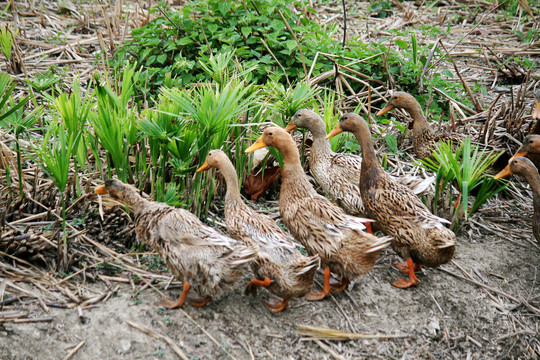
[322, 227]
[279, 267]
[424, 138]
[419, 237]
[520, 165]
[535, 155]
[338, 173]
[198, 255]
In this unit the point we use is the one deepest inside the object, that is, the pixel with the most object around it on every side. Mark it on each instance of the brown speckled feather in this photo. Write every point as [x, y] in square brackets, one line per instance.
[416, 232]
[322, 227]
[425, 138]
[338, 173]
[291, 272]
[195, 253]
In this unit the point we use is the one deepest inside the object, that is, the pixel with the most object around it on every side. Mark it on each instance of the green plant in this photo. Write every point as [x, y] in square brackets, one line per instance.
[114, 123]
[54, 154]
[15, 119]
[191, 122]
[464, 168]
[6, 41]
[74, 112]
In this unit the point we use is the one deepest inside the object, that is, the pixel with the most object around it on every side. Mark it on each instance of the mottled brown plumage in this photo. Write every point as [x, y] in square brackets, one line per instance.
[198, 255]
[322, 227]
[289, 272]
[417, 234]
[424, 138]
[338, 173]
[522, 166]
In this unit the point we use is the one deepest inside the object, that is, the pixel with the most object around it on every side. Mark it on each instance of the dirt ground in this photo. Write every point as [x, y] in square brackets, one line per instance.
[443, 318]
[484, 305]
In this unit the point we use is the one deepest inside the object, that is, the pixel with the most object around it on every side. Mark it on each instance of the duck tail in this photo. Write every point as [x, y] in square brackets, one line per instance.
[378, 244]
[243, 254]
[307, 264]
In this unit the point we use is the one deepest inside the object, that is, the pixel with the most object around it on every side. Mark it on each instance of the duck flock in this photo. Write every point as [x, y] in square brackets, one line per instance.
[336, 234]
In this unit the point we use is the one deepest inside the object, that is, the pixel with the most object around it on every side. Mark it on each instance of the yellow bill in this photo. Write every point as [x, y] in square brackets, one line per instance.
[259, 144]
[506, 171]
[385, 109]
[536, 111]
[290, 127]
[334, 132]
[101, 190]
[204, 167]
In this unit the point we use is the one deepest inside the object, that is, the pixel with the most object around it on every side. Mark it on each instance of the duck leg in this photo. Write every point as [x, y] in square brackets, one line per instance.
[368, 228]
[275, 305]
[171, 304]
[339, 286]
[252, 286]
[404, 267]
[413, 280]
[321, 294]
[198, 301]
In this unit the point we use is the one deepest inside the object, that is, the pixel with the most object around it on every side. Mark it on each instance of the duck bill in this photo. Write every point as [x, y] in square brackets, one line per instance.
[290, 127]
[101, 190]
[204, 167]
[536, 111]
[385, 109]
[506, 171]
[334, 132]
[259, 144]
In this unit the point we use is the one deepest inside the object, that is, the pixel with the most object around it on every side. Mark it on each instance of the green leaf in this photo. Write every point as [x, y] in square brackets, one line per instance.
[162, 58]
[185, 41]
[402, 44]
[224, 7]
[448, 73]
[391, 142]
[246, 31]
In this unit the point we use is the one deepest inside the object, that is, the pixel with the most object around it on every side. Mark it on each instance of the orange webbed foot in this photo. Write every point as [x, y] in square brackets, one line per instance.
[316, 295]
[404, 283]
[170, 304]
[339, 286]
[404, 268]
[413, 280]
[276, 306]
[199, 301]
[253, 285]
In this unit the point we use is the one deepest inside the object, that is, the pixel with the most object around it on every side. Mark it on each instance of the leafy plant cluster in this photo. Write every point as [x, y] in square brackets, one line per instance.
[463, 168]
[169, 46]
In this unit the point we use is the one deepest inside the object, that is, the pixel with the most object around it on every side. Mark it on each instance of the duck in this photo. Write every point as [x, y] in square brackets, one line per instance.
[424, 138]
[418, 236]
[279, 266]
[322, 227]
[338, 173]
[536, 113]
[534, 156]
[199, 256]
[523, 166]
[529, 148]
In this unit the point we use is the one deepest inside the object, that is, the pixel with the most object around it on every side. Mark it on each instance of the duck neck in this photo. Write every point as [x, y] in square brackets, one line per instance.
[229, 173]
[363, 135]
[320, 145]
[533, 179]
[135, 202]
[419, 120]
[292, 167]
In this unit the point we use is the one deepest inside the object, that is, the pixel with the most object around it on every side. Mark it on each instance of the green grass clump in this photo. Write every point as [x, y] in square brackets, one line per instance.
[465, 169]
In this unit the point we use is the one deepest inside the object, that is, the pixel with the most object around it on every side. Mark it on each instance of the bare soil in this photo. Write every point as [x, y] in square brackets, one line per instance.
[445, 317]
